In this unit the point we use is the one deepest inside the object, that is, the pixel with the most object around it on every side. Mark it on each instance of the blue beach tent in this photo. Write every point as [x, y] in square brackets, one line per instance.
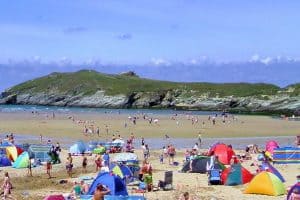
[78, 148]
[113, 182]
[4, 161]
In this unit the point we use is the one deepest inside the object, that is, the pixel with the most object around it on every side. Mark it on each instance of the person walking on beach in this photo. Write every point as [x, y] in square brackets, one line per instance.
[84, 164]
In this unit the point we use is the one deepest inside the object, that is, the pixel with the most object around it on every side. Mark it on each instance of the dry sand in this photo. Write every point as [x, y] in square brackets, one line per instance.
[63, 128]
[196, 184]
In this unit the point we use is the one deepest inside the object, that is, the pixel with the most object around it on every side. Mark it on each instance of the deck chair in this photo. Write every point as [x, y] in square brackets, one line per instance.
[167, 184]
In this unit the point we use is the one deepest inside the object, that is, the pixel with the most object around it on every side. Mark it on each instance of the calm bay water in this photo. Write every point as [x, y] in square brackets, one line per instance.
[44, 109]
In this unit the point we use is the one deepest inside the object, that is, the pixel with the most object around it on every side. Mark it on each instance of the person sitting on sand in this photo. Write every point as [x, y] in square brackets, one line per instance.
[100, 192]
[84, 187]
[76, 190]
[247, 155]
[145, 169]
[185, 196]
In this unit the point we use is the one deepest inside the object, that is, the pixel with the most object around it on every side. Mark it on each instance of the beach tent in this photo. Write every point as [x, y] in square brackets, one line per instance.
[271, 145]
[92, 145]
[112, 197]
[293, 188]
[13, 152]
[113, 182]
[286, 155]
[4, 161]
[266, 166]
[22, 161]
[119, 142]
[236, 175]
[78, 148]
[121, 170]
[6, 144]
[55, 197]
[265, 183]
[99, 150]
[199, 165]
[39, 152]
[223, 152]
[124, 157]
[135, 197]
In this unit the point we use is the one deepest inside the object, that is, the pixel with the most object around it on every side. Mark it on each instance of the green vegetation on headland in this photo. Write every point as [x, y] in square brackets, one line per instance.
[88, 82]
[89, 88]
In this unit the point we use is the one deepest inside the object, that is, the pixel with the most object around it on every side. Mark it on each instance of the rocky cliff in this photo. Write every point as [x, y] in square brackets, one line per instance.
[93, 89]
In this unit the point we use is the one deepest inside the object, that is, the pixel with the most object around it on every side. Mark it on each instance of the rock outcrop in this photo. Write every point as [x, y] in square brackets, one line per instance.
[163, 99]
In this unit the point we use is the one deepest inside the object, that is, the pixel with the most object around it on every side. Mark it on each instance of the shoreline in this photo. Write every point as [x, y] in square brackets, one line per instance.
[159, 109]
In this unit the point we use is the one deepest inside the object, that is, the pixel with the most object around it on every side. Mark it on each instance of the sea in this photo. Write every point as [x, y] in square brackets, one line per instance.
[57, 109]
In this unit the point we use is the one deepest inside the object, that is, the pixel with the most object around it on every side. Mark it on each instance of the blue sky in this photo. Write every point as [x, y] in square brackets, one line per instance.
[139, 34]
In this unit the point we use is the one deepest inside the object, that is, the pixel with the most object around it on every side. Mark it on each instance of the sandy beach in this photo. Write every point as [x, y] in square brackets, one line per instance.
[39, 185]
[62, 128]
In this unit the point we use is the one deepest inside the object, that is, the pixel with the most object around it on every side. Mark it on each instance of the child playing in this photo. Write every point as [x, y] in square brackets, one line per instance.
[48, 168]
[161, 158]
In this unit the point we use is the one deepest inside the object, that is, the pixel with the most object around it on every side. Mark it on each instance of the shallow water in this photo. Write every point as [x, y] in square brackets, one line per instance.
[56, 109]
[180, 143]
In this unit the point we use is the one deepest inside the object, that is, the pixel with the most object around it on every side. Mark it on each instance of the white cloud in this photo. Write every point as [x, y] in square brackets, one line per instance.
[255, 58]
[266, 60]
[160, 61]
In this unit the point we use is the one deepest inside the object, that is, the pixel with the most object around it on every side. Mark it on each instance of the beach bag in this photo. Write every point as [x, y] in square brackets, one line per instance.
[142, 186]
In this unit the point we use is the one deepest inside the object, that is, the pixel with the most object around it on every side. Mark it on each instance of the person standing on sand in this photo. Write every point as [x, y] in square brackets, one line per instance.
[98, 131]
[48, 168]
[41, 138]
[200, 138]
[171, 154]
[7, 186]
[69, 165]
[29, 166]
[98, 162]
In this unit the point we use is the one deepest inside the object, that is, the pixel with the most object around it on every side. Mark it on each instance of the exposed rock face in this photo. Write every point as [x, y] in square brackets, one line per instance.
[163, 99]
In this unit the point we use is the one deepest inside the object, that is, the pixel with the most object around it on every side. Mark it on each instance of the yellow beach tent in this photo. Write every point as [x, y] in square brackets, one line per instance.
[266, 183]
